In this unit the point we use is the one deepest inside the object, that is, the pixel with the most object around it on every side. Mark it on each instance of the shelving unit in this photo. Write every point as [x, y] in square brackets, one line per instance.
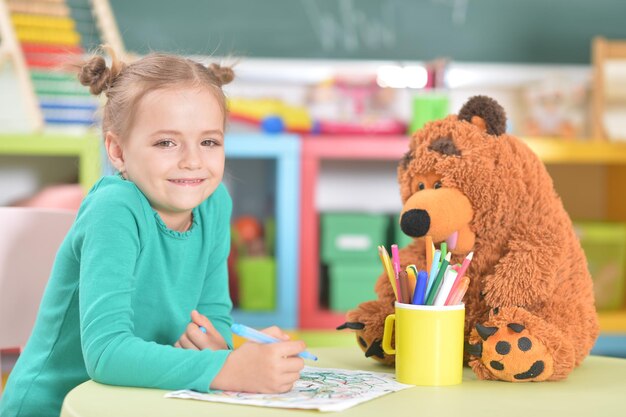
[314, 150]
[285, 151]
[612, 156]
[298, 161]
[85, 147]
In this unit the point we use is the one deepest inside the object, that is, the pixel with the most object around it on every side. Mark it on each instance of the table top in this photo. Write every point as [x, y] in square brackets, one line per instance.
[596, 387]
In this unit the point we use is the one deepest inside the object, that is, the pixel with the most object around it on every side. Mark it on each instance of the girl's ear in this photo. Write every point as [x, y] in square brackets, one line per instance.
[114, 150]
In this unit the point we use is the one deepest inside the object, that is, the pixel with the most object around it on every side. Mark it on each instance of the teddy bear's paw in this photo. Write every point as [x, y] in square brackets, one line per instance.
[373, 349]
[509, 353]
[367, 322]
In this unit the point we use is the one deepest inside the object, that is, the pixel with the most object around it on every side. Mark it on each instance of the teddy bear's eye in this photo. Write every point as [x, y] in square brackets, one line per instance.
[420, 186]
[437, 185]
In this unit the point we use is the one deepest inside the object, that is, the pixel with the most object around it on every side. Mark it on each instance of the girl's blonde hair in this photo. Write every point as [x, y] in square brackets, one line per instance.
[125, 84]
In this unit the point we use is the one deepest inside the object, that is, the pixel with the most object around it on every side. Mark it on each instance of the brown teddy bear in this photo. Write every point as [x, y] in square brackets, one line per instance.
[530, 313]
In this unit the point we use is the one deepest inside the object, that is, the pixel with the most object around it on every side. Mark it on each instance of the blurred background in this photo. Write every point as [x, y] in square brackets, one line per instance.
[325, 97]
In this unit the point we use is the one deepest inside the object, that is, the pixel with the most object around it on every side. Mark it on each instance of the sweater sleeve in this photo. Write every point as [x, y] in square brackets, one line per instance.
[215, 302]
[108, 244]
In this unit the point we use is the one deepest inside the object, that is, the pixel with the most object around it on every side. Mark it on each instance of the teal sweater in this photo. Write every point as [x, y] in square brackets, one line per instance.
[120, 295]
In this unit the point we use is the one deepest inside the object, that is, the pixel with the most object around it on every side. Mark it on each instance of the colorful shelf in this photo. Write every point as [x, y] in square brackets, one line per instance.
[314, 150]
[285, 150]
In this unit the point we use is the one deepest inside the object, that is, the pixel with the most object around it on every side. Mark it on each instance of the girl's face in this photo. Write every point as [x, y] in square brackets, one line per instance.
[174, 151]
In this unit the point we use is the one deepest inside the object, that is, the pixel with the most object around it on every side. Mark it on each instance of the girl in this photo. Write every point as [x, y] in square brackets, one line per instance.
[148, 247]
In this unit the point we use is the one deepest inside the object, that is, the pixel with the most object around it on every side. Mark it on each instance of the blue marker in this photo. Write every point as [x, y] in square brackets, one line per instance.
[420, 288]
[259, 337]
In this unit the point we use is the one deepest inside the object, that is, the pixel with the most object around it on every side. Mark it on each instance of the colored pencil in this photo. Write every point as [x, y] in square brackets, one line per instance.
[384, 258]
[457, 297]
[404, 287]
[444, 290]
[395, 259]
[412, 274]
[465, 264]
[444, 250]
[420, 288]
[460, 275]
[437, 281]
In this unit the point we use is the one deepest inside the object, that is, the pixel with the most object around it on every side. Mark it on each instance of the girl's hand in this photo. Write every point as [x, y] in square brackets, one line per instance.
[276, 332]
[262, 368]
[194, 338]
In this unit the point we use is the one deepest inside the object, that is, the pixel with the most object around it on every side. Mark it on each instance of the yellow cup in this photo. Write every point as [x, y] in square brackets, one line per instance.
[429, 343]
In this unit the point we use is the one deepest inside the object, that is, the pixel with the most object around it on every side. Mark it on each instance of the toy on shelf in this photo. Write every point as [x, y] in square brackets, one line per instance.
[555, 108]
[253, 269]
[349, 105]
[271, 115]
[609, 91]
[343, 105]
[42, 39]
[246, 241]
[249, 237]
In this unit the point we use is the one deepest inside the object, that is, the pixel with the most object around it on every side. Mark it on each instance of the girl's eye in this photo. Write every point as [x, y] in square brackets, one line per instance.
[210, 143]
[166, 143]
[420, 186]
[437, 185]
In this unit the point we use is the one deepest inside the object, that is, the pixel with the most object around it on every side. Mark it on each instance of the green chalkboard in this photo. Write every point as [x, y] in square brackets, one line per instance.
[535, 31]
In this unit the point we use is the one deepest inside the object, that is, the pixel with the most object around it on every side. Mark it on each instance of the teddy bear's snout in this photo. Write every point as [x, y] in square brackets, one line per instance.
[443, 213]
[415, 222]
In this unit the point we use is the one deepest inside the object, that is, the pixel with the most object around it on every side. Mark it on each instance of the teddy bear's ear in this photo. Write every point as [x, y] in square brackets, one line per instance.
[486, 113]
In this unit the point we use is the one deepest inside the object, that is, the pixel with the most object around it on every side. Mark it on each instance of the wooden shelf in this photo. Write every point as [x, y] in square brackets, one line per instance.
[561, 151]
[613, 321]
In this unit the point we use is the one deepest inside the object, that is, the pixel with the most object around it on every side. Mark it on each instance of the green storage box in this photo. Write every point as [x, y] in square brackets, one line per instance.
[427, 107]
[352, 236]
[398, 237]
[605, 248]
[351, 283]
[257, 283]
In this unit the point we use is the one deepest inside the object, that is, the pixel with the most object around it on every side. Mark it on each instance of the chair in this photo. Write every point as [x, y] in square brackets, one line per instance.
[609, 89]
[29, 240]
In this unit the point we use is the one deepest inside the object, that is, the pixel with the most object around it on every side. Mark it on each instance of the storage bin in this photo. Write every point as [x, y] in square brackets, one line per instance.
[352, 236]
[257, 283]
[605, 248]
[351, 283]
[426, 108]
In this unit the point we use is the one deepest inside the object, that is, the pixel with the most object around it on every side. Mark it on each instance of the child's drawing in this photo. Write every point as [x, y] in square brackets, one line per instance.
[324, 389]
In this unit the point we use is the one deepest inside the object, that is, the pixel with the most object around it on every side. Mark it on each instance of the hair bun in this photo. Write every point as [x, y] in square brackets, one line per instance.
[95, 74]
[223, 75]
